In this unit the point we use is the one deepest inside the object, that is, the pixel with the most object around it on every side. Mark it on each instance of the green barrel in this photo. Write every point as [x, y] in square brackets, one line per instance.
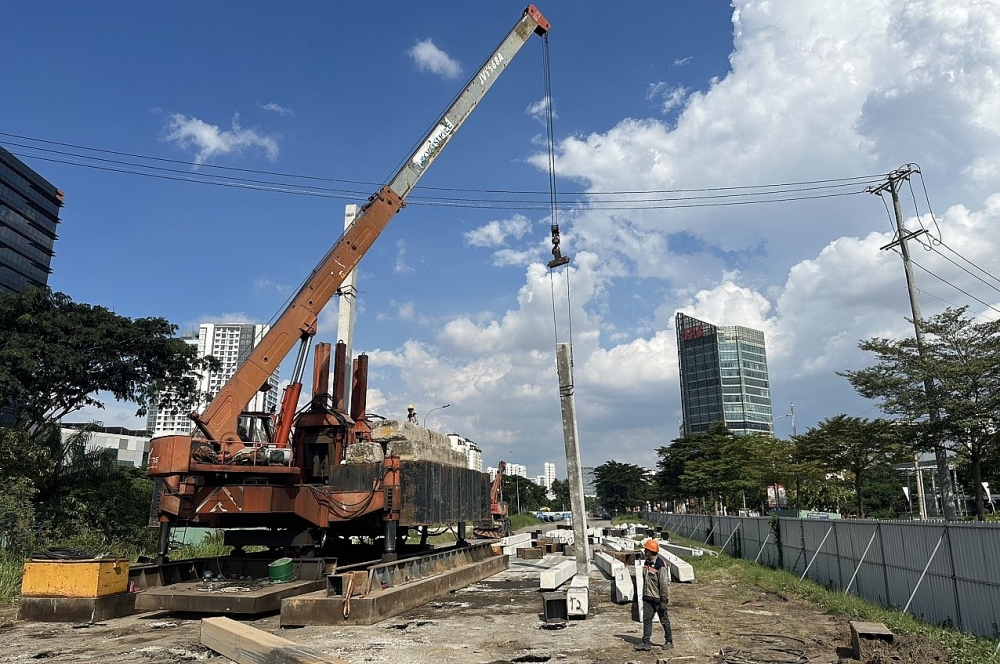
[280, 570]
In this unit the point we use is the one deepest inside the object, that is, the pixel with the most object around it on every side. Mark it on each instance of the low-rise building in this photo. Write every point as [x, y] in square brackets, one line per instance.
[131, 446]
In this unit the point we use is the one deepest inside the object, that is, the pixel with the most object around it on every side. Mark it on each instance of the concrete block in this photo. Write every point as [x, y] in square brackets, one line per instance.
[554, 577]
[513, 540]
[680, 570]
[682, 551]
[364, 453]
[862, 632]
[554, 608]
[622, 588]
[413, 443]
[530, 553]
[578, 597]
[605, 563]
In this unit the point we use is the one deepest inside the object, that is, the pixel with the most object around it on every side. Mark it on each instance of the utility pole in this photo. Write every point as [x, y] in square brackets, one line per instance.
[892, 184]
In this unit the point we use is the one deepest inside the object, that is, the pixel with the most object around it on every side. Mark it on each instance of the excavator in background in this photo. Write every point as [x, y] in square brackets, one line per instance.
[314, 481]
[498, 525]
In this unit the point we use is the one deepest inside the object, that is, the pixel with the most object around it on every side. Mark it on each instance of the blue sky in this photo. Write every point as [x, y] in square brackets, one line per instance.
[455, 304]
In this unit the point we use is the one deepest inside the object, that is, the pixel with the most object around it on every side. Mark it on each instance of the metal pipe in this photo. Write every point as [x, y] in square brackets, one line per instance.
[924, 573]
[818, 549]
[738, 524]
[860, 562]
[389, 545]
[763, 544]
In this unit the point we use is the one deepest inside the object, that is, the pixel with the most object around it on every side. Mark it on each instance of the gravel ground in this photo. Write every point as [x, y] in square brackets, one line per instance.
[496, 621]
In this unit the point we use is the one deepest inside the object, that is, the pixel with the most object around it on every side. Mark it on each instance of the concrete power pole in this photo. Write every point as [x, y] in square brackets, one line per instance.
[574, 474]
[345, 313]
[892, 184]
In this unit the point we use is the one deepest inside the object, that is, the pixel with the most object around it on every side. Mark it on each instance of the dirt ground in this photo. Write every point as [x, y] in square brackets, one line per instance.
[499, 621]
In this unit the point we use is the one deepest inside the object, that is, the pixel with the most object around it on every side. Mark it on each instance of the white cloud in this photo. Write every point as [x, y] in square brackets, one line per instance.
[667, 96]
[497, 232]
[538, 110]
[814, 93]
[429, 57]
[264, 284]
[272, 107]
[208, 140]
[401, 267]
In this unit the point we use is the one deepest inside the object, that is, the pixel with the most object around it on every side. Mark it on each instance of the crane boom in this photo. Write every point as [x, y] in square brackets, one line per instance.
[298, 321]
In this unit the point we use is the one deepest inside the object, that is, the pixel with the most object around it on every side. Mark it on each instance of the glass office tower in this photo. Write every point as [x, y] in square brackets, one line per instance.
[29, 214]
[723, 372]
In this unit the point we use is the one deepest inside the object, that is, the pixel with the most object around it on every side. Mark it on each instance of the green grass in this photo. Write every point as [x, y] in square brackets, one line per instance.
[962, 648]
[523, 520]
[11, 571]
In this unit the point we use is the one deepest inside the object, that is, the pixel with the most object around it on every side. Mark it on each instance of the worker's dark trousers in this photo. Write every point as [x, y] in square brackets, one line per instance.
[660, 608]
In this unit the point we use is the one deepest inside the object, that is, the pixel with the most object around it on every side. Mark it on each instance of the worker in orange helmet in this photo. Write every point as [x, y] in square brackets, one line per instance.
[411, 415]
[655, 595]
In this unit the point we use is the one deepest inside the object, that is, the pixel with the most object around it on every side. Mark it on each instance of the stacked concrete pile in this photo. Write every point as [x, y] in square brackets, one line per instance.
[407, 441]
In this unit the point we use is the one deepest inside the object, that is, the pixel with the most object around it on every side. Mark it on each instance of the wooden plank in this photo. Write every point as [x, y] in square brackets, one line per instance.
[247, 645]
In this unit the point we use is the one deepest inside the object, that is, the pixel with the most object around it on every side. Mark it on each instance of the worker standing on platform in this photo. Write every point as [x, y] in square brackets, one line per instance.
[411, 415]
[655, 595]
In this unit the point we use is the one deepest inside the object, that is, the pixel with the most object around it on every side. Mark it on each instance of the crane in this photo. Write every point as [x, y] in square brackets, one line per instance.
[259, 474]
[499, 523]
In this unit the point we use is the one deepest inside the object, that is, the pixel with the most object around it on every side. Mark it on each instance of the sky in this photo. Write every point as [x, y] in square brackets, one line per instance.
[710, 158]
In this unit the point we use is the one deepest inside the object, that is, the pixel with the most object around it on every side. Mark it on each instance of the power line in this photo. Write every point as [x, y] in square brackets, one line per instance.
[123, 163]
[961, 290]
[931, 247]
[950, 303]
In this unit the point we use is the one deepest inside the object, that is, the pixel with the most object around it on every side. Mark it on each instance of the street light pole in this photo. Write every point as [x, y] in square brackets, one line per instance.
[431, 411]
[517, 487]
[791, 415]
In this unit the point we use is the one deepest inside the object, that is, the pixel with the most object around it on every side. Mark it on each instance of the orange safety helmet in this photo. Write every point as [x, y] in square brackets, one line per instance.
[651, 545]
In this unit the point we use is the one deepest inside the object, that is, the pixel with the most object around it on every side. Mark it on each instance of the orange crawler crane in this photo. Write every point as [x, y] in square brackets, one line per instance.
[294, 481]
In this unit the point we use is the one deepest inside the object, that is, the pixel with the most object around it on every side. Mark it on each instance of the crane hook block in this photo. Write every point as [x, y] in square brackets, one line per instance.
[557, 257]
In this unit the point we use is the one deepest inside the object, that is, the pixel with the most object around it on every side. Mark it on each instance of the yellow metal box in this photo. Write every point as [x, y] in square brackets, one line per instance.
[75, 578]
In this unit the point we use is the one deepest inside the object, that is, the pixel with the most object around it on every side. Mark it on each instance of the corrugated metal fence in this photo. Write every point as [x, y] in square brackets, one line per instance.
[943, 573]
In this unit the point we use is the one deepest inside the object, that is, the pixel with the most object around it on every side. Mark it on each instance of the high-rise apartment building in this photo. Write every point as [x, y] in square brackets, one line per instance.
[549, 474]
[723, 373]
[230, 343]
[473, 455]
[518, 469]
[29, 214]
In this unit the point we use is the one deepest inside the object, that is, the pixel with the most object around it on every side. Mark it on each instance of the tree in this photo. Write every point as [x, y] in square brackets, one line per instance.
[560, 488]
[522, 494]
[853, 445]
[621, 486]
[713, 463]
[55, 490]
[56, 355]
[961, 360]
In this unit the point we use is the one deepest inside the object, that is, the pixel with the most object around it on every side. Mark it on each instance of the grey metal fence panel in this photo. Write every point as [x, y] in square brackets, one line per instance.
[885, 559]
[974, 549]
[821, 552]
